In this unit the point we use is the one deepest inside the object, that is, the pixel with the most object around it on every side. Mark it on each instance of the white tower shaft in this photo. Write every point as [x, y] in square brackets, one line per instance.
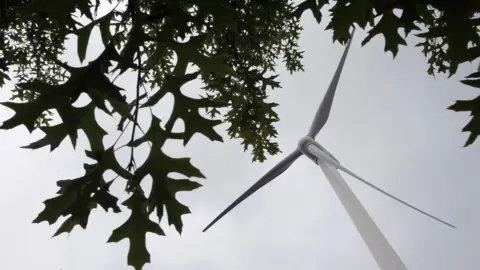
[383, 253]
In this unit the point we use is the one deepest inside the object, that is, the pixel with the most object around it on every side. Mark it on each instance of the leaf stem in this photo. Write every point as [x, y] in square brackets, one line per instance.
[131, 164]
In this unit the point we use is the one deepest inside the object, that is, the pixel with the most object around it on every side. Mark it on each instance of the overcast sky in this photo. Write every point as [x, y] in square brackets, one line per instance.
[389, 124]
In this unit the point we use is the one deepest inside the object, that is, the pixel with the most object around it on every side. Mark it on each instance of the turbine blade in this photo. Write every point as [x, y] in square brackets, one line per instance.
[323, 157]
[323, 111]
[268, 177]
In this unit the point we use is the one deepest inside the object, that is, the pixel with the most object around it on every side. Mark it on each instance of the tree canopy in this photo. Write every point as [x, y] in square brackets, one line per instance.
[232, 46]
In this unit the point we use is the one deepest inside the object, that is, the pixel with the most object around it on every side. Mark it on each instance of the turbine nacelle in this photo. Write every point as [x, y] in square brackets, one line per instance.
[309, 147]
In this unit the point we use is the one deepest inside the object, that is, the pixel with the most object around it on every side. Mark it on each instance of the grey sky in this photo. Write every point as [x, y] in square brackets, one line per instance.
[388, 124]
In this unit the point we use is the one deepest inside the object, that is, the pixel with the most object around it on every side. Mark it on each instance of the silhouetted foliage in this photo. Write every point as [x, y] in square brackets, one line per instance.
[233, 45]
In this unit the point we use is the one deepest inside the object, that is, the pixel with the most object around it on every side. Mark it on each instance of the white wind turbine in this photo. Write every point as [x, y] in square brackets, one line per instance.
[382, 251]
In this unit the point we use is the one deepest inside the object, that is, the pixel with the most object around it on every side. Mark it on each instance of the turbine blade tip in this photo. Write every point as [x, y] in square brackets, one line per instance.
[206, 228]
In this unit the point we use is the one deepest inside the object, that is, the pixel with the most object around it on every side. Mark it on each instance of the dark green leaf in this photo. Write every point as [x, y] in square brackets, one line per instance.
[472, 106]
[82, 41]
[135, 230]
[77, 197]
[388, 27]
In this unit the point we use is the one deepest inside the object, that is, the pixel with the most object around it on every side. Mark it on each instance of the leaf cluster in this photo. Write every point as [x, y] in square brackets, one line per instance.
[222, 43]
[448, 32]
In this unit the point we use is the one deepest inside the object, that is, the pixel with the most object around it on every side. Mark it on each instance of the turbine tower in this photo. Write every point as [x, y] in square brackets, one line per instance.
[383, 253]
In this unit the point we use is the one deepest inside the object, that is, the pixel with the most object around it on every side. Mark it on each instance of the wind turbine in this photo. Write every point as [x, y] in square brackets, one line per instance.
[383, 253]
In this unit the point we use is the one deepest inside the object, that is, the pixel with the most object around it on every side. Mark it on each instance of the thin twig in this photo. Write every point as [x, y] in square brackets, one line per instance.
[151, 111]
[118, 138]
[131, 164]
